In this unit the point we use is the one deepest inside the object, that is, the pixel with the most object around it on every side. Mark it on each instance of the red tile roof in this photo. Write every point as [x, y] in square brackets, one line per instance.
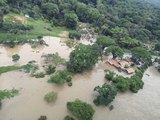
[114, 63]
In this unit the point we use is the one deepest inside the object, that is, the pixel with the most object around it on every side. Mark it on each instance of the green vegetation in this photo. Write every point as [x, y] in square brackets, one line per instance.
[109, 75]
[71, 20]
[39, 75]
[50, 69]
[31, 67]
[68, 118]
[129, 43]
[84, 57]
[8, 68]
[61, 77]
[136, 19]
[104, 41]
[141, 55]
[81, 110]
[157, 46]
[115, 50]
[43, 118]
[15, 57]
[69, 43]
[74, 35]
[136, 82]
[123, 84]
[106, 94]
[7, 94]
[51, 97]
[40, 28]
[57, 60]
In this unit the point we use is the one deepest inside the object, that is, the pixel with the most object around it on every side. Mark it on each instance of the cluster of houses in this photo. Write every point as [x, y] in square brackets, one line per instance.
[124, 65]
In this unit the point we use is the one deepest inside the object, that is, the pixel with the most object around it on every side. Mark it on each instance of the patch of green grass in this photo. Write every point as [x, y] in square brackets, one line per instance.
[40, 28]
[5, 69]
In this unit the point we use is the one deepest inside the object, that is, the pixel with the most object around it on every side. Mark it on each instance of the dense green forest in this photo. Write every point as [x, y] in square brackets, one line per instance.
[116, 18]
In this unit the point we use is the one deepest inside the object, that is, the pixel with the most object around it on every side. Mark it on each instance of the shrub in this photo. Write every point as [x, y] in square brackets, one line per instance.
[121, 83]
[68, 118]
[51, 97]
[30, 67]
[70, 84]
[15, 57]
[106, 94]
[60, 77]
[74, 35]
[81, 110]
[50, 69]
[69, 43]
[43, 118]
[136, 83]
[39, 75]
[109, 75]
[82, 58]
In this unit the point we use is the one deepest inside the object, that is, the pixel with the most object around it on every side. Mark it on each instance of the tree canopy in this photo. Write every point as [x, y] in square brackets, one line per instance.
[81, 110]
[115, 50]
[141, 55]
[106, 94]
[136, 19]
[84, 57]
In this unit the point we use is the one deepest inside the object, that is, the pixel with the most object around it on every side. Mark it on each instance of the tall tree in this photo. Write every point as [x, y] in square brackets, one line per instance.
[115, 50]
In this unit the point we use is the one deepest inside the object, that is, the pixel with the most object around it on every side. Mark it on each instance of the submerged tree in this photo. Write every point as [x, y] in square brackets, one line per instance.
[15, 57]
[84, 57]
[81, 110]
[106, 94]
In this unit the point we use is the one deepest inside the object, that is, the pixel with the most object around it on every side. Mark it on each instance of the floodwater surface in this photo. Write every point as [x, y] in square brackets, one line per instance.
[30, 104]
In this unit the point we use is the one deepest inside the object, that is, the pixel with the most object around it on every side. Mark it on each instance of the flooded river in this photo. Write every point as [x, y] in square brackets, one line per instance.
[30, 104]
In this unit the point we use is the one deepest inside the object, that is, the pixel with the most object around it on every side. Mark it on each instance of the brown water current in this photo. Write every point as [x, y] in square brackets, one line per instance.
[30, 104]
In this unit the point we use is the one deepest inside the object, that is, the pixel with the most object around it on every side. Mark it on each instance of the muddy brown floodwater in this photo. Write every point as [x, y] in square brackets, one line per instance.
[29, 104]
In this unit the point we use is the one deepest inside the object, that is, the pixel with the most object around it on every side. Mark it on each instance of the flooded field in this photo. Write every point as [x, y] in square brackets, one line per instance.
[30, 104]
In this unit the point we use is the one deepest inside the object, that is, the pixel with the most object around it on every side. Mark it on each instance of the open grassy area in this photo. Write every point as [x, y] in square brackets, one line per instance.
[40, 28]
[8, 68]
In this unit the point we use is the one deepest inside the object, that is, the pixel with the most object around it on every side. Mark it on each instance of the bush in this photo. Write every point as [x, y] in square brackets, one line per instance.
[43, 118]
[68, 118]
[81, 110]
[136, 83]
[70, 84]
[60, 77]
[121, 83]
[106, 94]
[74, 35]
[109, 75]
[30, 67]
[84, 57]
[39, 75]
[51, 97]
[50, 69]
[15, 57]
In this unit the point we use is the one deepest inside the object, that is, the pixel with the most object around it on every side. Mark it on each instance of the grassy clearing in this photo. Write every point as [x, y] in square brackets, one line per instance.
[40, 28]
[8, 68]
